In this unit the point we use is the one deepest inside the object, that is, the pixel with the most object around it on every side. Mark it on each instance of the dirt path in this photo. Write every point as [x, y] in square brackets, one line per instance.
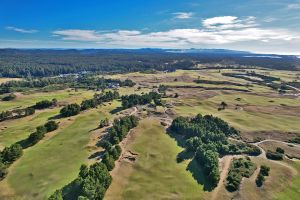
[226, 160]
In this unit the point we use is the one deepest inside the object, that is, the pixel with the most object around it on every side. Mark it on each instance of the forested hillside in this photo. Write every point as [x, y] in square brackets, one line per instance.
[39, 63]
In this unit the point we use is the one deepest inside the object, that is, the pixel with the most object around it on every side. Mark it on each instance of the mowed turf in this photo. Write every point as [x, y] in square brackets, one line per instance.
[292, 191]
[155, 174]
[15, 130]
[25, 100]
[12, 131]
[54, 162]
[245, 120]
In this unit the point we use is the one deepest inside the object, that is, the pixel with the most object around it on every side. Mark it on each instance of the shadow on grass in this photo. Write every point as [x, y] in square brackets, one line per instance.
[58, 116]
[178, 138]
[193, 167]
[116, 110]
[199, 175]
[71, 191]
[97, 155]
[184, 155]
[25, 143]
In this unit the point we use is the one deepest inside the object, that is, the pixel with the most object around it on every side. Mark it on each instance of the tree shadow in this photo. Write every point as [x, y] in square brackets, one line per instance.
[116, 110]
[72, 190]
[178, 138]
[58, 116]
[199, 175]
[25, 143]
[97, 155]
[184, 155]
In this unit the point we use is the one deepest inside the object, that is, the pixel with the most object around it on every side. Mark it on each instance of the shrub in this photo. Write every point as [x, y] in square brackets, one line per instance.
[12, 153]
[280, 150]
[259, 180]
[9, 97]
[274, 155]
[70, 110]
[239, 168]
[3, 170]
[51, 126]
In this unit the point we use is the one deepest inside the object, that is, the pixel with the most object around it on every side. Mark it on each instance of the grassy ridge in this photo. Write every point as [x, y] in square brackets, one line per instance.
[19, 129]
[293, 190]
[30, 99]
[55, 161]
[156, 174]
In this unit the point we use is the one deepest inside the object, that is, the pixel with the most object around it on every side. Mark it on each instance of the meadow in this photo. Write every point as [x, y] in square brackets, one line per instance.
[261, 112]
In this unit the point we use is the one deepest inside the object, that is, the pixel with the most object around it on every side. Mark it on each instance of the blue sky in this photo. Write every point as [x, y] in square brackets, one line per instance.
[267, 26]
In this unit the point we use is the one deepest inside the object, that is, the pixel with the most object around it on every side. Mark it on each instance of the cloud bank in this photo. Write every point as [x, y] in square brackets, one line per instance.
[217, 30]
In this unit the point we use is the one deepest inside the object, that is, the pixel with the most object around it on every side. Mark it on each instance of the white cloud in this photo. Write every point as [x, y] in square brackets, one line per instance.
[228, 22]
[21, 30]
[77, 34]
[183, 15]
[293, 6]
[216, 31]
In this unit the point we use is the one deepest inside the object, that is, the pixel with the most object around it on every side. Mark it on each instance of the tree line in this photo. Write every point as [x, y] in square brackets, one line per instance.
[263, 172]
[92, 182]
[41, 63]
[205, 136]
[24, 112]
[129, 101]
[98, 99]
[88, 81]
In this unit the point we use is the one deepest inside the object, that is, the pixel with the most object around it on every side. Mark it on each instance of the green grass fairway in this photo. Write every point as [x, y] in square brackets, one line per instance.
[30, 99]
[19, 129]
[293, 190]
[156, 174]
[54, 162]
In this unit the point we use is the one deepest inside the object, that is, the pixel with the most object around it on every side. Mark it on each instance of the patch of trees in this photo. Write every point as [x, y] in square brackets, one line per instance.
[9, 97]
[295, 140]
[129, 101]
[73, 81]
[209, 160]
[40, 132]
[99, 99]
[74, 109]
[92, 182]
[45, 104]
[275, 155]
[24, 112]
[264, 171]
[240, 148]
[241, 167]
[70, 110]
[162, 89]
[120, 128]
[206, 137]
[8, 156]
[17, 113]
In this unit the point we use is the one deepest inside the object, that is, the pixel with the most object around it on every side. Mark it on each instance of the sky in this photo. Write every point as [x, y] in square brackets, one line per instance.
[262, 26]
